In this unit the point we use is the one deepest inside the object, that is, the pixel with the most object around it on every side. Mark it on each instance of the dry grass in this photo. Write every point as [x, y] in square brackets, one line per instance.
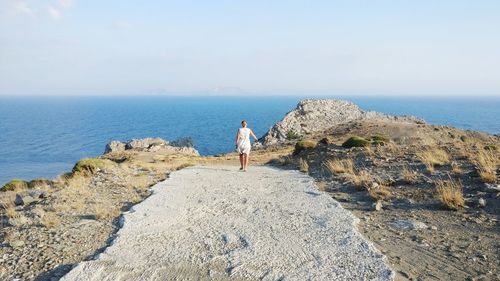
[322, 186]
[432, 157]
[408, 175]
[380, 192]
[138, 182]
[103, 212]
[362, 180]
[134, 198]
[340, 166]
[50, 219]
[303, 165]
[450, 193]
[486, 162]
[9, 210]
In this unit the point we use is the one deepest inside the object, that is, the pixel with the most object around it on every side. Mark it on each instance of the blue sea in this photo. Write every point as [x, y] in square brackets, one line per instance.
[45, 136]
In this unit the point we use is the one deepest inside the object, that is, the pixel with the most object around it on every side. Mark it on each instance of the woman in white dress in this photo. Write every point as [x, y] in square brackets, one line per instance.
[243, 145]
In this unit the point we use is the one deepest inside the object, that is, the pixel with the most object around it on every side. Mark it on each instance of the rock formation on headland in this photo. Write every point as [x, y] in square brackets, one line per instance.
[149, 145]
[312, 116]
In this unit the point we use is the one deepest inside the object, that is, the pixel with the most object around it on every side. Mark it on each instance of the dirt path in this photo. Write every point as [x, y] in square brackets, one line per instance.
[214, 222]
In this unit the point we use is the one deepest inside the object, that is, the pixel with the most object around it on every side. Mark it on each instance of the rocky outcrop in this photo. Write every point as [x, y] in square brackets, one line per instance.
[312, 116]
[114, 146]
[150, 145]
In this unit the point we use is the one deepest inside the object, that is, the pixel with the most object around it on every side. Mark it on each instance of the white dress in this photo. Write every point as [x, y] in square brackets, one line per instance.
[244, 145]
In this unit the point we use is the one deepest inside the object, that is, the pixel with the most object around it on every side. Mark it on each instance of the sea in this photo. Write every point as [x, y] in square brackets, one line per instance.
[45, 136]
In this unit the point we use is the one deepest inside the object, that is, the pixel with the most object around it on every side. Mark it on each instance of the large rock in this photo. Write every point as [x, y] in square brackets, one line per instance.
[150, 145]
[311, 116]
[114, 146]
[145, 143]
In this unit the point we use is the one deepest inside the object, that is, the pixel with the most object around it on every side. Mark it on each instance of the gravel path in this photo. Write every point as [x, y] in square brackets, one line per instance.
[214, 222]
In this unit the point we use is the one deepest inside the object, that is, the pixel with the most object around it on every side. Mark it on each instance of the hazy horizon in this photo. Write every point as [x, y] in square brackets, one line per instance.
[257, 48]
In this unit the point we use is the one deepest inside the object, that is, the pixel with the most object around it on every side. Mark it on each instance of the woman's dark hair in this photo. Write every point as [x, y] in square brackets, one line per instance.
[243, 122]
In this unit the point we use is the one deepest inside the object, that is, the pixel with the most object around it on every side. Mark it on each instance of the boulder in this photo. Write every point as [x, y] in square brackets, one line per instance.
[114, 146]
[145, 143]
[407, 224]
[317, 115]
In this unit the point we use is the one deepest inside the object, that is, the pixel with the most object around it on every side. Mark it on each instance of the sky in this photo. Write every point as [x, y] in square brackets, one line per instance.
[257, 47]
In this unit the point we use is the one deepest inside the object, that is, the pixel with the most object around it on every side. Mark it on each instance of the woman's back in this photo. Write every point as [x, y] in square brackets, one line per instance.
[245, 134]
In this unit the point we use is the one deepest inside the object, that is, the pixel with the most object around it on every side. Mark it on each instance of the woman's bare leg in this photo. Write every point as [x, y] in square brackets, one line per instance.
[241, 161]
[247, 159]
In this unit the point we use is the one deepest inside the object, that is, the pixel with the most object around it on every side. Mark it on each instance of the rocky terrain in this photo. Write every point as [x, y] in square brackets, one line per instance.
[427, 196]
[47, 226]
[313, 116]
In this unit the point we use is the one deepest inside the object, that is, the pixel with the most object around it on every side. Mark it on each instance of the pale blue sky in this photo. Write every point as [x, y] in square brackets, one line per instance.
[399, 47]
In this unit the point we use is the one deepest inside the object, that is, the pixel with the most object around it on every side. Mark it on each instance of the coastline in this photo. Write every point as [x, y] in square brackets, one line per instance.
[124, 177]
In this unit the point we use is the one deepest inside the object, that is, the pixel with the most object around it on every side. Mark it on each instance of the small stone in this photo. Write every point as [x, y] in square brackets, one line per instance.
[377, 206]
[481, 202]
[19, 200]
[17, 243]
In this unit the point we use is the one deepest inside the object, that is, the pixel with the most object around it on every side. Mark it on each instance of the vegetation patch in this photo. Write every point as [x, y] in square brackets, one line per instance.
[450, 193]
[39, 183]
[356, 141]
[340, 166]
[303, 166]
[486, 162]
[433, 157]
[15, 184]
[89, 166]
[380, 140]
[408, 175]
[303, 145]
[381, 192]
[292, 135]
[490, 147]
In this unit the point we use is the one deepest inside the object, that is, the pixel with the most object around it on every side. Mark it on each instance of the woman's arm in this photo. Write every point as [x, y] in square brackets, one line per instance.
[237, 137]
[253, 135]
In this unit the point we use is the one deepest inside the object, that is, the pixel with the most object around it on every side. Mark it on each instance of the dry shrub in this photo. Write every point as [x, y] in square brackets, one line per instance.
[340, 166]
[50, 219]
[393, 149]
[362, 180]
[10, 210]
[78, 184]
[103, 212]
[322, 186]
[408, 175]
[134, 198]
[432, 157]
[486, 162]
[381, 192]
[304, 145]
[138, 182]
[303, 165]
[450, 193]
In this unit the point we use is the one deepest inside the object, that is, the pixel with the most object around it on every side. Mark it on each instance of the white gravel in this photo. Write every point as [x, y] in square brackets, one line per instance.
[214, 222]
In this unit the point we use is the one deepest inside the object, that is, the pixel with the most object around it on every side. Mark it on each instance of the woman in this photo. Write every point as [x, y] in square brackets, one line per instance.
[243, 145]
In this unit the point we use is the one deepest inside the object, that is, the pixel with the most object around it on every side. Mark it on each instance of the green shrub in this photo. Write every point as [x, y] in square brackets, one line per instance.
[89, 166]
[15, 184]
[291, 135]
[38, 182]
[490, 147]
[303, 145]
[380, 140]
[356, 141]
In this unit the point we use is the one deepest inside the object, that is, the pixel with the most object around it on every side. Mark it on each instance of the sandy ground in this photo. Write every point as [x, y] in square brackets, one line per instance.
[214, 222]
